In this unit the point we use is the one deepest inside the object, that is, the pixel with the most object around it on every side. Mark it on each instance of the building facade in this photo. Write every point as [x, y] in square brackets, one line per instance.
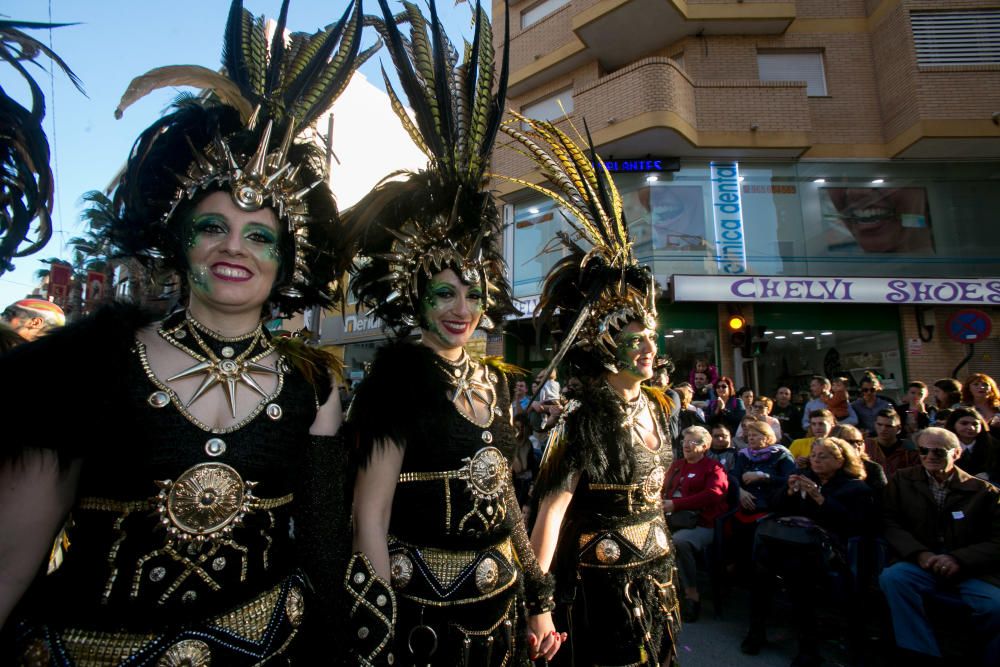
[784, 160]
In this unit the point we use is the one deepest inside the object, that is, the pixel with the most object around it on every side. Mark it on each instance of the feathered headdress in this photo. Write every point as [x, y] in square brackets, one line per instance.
[243, 139]
[441, 217]
[599, 290]
[26, 184]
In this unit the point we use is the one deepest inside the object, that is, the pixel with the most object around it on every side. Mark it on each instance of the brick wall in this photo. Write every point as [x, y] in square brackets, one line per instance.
[938, 358]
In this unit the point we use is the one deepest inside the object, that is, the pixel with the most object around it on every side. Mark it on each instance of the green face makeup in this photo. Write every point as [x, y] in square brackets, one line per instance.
[627, 346]
[439, 298]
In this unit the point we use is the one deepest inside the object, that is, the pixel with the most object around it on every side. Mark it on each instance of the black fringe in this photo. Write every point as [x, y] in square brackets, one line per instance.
[402, 398]
[67, 379]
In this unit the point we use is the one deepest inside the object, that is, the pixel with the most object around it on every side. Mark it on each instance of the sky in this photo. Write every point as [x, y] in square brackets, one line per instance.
[117, 40]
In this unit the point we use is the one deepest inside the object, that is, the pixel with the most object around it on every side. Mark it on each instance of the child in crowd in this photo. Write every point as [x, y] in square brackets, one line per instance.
[838, 400]
[702, 365]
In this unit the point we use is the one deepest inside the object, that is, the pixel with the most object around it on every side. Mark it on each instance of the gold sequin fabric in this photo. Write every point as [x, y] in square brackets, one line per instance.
[262, 628]
[444, 577]
[626, 546]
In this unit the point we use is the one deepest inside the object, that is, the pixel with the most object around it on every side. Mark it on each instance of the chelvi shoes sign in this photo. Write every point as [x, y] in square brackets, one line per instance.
[923, 291]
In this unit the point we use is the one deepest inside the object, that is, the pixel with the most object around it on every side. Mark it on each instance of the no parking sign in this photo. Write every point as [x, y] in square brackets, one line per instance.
[969, 326]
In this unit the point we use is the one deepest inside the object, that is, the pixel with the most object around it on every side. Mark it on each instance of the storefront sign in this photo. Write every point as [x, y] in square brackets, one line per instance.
[643, 164]
[727, 209]
[525, 307]
[353, 328]
[901, 291]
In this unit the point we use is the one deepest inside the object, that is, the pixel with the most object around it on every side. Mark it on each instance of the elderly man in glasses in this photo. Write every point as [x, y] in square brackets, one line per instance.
[943, 526]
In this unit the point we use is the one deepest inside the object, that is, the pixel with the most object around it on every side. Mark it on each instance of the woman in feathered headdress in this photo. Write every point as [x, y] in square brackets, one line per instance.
[600, 526]
[192, 464]
[442, 553]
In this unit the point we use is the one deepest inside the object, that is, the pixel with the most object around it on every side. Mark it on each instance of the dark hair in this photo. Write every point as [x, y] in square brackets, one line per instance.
[889, 413]
[822, 413]
[962, 412]
[825, 381]
[744, 389]
[952, 387]
[918, 384]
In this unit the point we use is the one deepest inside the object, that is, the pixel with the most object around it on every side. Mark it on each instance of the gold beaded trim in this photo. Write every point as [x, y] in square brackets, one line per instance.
[251, 620]
[103, 649]
[641, 535]
[129, 506]
[448, 565]
[140, 349]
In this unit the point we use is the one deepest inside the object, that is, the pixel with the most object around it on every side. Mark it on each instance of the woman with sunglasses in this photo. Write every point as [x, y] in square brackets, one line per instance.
[727, 406]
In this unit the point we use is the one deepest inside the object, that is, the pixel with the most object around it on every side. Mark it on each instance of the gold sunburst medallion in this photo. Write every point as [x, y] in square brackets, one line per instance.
[206, 501]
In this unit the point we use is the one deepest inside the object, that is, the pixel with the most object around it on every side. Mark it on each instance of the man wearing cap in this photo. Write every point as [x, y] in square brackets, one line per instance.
[943, 526]
[33, 318]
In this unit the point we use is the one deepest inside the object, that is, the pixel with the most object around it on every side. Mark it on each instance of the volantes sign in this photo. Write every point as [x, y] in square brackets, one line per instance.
[794, 289]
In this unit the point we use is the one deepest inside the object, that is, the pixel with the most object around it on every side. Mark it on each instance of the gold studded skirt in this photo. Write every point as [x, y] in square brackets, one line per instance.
[250, 634]
[446, 577]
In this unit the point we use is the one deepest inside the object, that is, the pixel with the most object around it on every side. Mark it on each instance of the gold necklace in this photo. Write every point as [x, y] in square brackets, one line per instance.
[461, 376]
[228, 372]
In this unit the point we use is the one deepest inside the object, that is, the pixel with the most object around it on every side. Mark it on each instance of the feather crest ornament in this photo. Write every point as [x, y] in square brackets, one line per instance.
[593, 292]
[440, 217]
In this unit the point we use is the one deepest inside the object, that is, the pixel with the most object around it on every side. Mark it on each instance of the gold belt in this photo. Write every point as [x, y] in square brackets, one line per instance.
[627, 546]
[446, 567]
[129, 506]
[250, 621]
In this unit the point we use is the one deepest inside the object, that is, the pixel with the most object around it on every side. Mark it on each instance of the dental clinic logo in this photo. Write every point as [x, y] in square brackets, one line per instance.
[727, 211]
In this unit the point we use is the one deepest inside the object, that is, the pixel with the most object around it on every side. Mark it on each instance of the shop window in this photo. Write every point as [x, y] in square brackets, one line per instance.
[551, 108]
[536, 245]
[537, 12]
[794, 66]
[968, 37]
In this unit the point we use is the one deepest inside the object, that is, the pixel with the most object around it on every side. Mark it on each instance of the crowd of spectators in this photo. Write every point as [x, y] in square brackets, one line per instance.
[838, 488]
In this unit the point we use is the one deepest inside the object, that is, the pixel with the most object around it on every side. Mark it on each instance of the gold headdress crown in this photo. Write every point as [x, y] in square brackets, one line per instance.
[264, 177]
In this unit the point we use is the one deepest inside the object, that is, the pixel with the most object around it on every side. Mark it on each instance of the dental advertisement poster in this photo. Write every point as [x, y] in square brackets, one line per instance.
[876, 220]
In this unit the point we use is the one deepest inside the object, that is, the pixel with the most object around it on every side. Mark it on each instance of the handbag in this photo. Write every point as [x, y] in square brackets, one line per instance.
[682, 520]
[797, 531]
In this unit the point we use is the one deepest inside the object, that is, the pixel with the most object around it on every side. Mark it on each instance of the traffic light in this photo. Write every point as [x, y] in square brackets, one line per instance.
[755, 343]
[738, 330]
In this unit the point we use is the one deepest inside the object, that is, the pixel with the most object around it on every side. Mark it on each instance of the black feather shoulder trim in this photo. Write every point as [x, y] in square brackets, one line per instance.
[67, 380]
[591, 441]
[402, 399]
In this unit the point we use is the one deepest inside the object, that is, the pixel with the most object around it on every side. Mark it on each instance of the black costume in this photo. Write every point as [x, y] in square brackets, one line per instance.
[183, 542]
[190, 543]
[615, 561]
[457, 544]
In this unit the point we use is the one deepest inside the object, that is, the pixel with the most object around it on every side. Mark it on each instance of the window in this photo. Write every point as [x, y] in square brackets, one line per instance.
[536, 13]
[957, 38]
[552, 108]
[794, 66]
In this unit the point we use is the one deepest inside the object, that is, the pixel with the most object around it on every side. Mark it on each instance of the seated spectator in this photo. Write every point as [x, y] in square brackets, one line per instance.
[739, 439]
[980, 456]
[746, 396]
[761, 468]
[832, 496]
[722, 449]
[887, 448]
[788, 415]
[703, 365]
[912, 411]
[694, 495]
[943, 527]
[869, 404]
[946, 394]
[820, 423]
[726, 405]
[761, 409]
[703, 393]
[690, 415]
[838, 399]
[819, 392]
[874, 475]
[980, 391]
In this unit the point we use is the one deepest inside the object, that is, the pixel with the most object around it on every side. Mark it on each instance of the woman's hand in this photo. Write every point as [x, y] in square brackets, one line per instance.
[747, 500]
[668, 506]
[752, 476]
[807, 486]
[543, 640]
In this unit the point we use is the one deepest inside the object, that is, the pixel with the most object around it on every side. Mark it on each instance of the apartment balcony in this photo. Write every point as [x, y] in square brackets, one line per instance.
[653, 107]
[617, 32]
